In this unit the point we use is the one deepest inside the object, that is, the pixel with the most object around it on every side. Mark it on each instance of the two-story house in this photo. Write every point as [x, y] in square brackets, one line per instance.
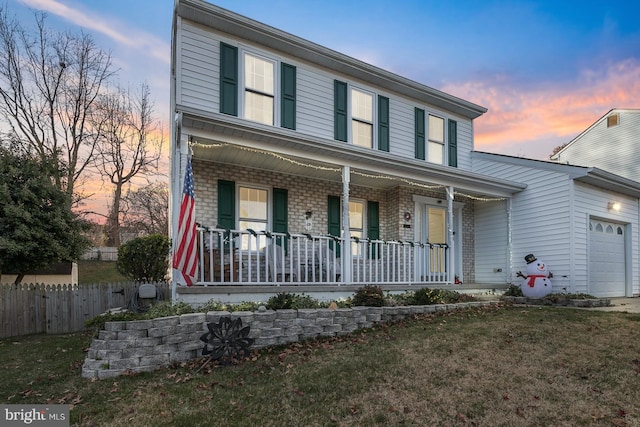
[315, 172]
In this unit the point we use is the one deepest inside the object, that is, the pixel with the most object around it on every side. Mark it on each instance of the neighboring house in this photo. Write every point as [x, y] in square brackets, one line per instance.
[315, 172]
[612, 143]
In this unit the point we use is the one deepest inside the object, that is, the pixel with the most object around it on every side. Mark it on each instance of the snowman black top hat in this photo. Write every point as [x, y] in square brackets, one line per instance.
[530, 258]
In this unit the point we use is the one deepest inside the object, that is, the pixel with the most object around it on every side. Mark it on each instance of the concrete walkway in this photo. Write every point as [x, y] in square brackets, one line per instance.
[629, 305]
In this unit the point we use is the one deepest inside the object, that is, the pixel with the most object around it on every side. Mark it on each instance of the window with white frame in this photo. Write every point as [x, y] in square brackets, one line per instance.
[253, 213]
[361, 118]
[259, 89]
[356, 224]
[435, 145]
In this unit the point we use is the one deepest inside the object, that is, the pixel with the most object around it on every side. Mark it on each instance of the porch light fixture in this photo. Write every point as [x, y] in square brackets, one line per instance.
[614, 206]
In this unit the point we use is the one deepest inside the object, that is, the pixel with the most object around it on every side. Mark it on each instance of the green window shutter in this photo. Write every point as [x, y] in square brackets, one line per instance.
[333, 219]
[340, 110]
[288, 96]
[226, 204]
[228, 79]
[373, 224]
[383, 123]
[280, 213]
[420, 134]
[453, 143]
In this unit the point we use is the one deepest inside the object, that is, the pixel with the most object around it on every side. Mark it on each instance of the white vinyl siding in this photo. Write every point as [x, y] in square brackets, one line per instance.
[491, 242]
[540, 216]
[197, 68]
[465, 143]
[315, 103]
[197, 79]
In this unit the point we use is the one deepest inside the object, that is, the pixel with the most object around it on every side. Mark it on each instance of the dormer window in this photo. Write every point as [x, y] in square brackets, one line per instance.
[613, 120]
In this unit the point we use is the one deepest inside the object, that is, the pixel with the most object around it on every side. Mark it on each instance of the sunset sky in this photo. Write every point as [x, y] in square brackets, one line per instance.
[545, 70]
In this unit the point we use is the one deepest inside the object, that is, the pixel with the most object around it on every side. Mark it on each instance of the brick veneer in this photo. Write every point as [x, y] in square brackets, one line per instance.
[306, 194]
[146, 345]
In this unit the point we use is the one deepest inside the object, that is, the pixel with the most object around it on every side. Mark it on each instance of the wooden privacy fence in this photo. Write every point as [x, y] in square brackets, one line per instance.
[54, 309]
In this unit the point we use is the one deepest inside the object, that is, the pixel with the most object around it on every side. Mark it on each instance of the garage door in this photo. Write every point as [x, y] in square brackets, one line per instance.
[606, 259]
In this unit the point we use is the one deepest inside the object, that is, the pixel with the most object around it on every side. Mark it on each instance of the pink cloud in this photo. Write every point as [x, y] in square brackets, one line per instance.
[555, 113]
[117, 31]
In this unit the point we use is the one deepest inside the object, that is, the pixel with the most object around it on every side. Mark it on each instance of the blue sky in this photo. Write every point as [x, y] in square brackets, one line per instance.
[546, 70]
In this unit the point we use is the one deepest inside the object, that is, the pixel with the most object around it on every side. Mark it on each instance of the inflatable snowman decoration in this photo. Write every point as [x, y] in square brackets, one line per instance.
[536, 283]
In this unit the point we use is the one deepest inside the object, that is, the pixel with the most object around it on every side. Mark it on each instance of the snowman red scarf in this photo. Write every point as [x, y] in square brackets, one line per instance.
[531, 279]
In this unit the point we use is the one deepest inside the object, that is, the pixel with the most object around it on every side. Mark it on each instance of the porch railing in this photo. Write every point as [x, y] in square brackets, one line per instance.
[269, 258]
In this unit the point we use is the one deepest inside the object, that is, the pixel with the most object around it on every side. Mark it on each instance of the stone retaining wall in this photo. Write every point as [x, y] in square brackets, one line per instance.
[146, 345]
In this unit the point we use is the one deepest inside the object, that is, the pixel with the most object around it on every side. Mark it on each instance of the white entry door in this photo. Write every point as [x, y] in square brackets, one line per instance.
[607, 259]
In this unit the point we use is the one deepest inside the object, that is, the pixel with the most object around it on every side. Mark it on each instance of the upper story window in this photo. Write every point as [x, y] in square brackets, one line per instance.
[257, 88]
[431, 144]
[435, 152]
[259, 96]
[360, 117]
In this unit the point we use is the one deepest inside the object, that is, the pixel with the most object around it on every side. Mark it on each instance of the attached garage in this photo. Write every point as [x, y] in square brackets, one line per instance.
[607, 259]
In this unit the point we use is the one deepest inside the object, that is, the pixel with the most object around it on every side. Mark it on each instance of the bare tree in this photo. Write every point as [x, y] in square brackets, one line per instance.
[146, 209]
[49, 83]
[130, 145]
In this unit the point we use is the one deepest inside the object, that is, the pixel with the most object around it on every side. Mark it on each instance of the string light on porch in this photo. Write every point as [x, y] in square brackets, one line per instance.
[394, 178]
[276, 155]
[480, 199]
[338, 170]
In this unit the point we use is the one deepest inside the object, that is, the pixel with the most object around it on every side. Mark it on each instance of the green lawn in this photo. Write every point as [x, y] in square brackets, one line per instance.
[513, 366]
[99, 272]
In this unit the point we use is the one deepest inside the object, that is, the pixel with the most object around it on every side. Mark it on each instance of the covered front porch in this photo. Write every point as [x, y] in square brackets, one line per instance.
[288, 214]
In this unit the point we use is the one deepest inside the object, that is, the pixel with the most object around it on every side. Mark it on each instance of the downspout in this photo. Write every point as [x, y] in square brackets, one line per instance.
[572, 238]
[346, 234]
[510, 237]
[452, 245]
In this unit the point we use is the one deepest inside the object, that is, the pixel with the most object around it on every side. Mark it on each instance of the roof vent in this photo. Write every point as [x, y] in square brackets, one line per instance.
[613, 120]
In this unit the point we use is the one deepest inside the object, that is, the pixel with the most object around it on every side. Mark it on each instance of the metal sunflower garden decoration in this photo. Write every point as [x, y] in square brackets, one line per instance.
[226, 340]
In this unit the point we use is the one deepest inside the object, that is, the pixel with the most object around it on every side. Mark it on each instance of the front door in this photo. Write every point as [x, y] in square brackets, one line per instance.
[432, 228]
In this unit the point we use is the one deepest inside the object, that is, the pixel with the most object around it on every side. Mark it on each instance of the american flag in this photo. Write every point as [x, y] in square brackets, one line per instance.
[185, 257]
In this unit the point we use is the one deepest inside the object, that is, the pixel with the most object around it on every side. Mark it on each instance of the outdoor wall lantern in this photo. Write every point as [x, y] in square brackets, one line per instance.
[308, 224]
[614, 206]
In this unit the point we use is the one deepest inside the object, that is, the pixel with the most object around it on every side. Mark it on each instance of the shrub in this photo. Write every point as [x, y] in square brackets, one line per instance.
[145, 259]
[98, 322]
[280, 301]
[213, 305]
[427, 296]
[369, 295]
[166, 309]
[284, 300]
[513, 291]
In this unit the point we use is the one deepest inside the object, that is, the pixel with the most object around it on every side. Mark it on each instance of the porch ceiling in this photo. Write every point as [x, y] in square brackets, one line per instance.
[287, 164]
[226, 139]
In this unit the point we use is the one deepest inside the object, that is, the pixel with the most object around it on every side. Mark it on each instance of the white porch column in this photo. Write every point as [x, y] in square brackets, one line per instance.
[346, 235]
[450, 240]
[178, 153]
